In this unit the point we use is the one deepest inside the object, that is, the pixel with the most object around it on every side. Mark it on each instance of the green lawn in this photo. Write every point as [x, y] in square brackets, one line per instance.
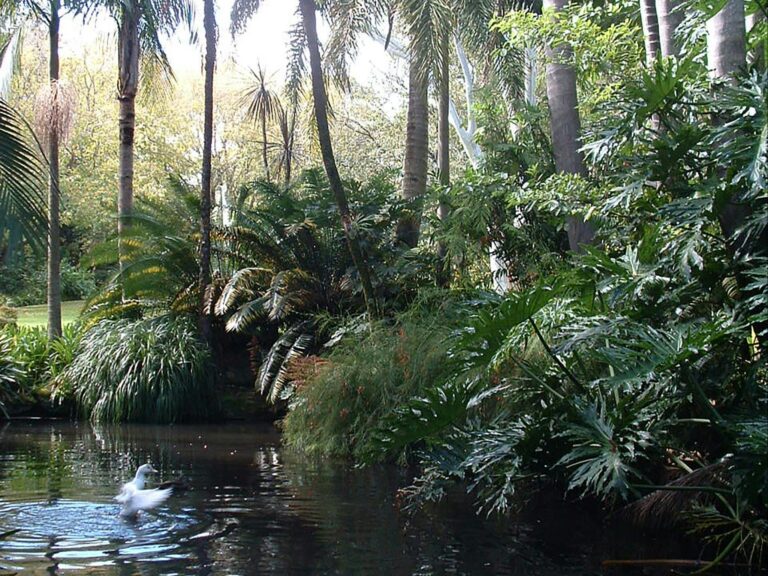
[38, 315]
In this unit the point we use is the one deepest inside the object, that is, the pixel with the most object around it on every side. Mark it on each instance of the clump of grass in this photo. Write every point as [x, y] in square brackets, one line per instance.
[36, 360]
[149, 370]
[343, 400]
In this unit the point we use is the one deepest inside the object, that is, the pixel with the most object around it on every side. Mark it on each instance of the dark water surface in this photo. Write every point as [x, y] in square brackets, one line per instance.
[256, 509]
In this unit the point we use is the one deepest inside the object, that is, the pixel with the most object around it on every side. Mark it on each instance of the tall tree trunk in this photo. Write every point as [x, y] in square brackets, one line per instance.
[566, 125]
[264, 145]
[320, 98]
[726, 55]
[670, 16]
[416, 154]
[127, 88]
[650, 23]
[727, 41]
[289, 148]
[54, 242]
[209, 23]
[443, 157]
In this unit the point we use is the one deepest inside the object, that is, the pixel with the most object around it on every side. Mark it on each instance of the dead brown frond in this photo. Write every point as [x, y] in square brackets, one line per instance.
[663, 506]
[302, 369]
[55, 106]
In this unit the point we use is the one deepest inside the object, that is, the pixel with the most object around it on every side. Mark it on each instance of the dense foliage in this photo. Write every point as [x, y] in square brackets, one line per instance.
[626, 367]
[151, 370]
[341, 400]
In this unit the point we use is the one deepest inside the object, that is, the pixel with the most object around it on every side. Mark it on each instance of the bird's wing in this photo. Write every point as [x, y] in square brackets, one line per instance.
[125, 493]
[146, 499]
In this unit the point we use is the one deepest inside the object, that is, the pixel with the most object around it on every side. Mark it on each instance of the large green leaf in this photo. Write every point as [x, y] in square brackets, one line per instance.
[22, 177]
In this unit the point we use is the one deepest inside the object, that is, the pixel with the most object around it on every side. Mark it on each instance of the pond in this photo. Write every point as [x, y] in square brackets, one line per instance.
[253, 508]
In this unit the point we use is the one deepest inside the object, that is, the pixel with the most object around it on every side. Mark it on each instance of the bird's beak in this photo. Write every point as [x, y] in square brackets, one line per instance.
[151, 469]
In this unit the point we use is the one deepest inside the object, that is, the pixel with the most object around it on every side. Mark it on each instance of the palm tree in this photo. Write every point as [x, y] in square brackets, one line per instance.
[140, 24]
[415, 165]
[53, 111]
[443, 156]
[320, 98]
[427, 24]
[286, 123]
[209, 23]
[22, 178]
[566, 124]
[263, 107]
[22, 206]
[54, 223]
[305, 37]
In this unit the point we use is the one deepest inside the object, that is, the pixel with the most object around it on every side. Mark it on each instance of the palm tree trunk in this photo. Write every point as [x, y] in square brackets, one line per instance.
[320, 98]
[264, 145]
[726, 54]
[416, 154]
[54, 242]
[209, 23]
[289, 145]
[566, 126]
[726, 41]
[669, 16]
[443, 158]
[127, 88]
[650, 23]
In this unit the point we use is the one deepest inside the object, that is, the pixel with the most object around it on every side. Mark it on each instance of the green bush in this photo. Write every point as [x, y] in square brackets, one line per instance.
[30, 363]
[336, 410]
[39, 359]
[25, 284]
[9, 373]
[149, 370]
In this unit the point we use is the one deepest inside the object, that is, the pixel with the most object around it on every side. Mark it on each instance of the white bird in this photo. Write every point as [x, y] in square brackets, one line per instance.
[135, 498]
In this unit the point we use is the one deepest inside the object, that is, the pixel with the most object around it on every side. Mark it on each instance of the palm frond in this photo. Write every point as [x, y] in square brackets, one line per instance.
[242, 12]
[22, 176]
[273, 372]
[427, 22]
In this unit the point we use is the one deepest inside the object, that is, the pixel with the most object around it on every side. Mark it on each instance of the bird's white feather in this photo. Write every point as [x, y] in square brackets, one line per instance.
[134, 498]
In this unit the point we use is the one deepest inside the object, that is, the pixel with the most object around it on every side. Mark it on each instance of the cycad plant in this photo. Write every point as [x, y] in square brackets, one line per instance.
[159, 258]
[294, 266]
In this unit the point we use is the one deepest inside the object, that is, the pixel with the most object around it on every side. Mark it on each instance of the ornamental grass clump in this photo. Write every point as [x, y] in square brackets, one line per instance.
[149, 370]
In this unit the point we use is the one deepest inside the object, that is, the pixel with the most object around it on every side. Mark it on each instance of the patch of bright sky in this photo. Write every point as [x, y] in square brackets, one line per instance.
[264, 42]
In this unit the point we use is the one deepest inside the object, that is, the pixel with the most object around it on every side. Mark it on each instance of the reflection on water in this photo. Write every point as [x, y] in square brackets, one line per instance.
[251, 509]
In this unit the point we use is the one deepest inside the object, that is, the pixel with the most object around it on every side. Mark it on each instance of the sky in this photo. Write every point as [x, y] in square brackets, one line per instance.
[264, 41]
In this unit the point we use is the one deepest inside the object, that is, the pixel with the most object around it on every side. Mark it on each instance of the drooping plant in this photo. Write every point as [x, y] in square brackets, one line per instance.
[150, 370]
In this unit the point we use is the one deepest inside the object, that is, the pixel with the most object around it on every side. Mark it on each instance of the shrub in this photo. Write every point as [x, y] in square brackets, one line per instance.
[337, 409]
[25, 284]
[38, 361]
[9, 373]
[149, 370]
